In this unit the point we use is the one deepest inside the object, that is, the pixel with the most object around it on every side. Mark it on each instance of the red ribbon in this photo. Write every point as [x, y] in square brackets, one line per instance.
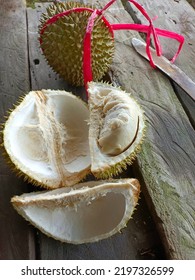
[149, 29]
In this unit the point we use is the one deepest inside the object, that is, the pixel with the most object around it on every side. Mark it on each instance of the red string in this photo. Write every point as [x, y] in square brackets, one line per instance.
[150, 30]
[161, 32]
[87, 59]
[57, 16]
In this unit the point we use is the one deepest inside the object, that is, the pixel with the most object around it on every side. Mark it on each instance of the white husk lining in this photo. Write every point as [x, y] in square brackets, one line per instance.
[86, 214]
[42, 172]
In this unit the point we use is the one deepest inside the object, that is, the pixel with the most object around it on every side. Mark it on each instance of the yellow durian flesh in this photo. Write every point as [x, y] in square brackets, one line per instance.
[88, 212]
[116, 129]
[46, 137]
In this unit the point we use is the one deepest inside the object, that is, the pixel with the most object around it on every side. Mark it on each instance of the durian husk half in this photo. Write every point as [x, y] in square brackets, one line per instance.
[46, 137]
[88, 212]
[62, 42]
[116, 130]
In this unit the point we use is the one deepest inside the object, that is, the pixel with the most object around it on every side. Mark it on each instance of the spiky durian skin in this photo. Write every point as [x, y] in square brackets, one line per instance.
[5, 154]
[62, 43]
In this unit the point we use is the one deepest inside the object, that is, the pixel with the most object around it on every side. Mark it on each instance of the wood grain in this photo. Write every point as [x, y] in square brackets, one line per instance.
[140, 239]
[165, 166]
[166, 163]
[179, 17]
[191, 2]
[16, 237]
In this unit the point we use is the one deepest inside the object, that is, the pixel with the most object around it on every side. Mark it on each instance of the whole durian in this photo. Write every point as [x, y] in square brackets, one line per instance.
[61, 39]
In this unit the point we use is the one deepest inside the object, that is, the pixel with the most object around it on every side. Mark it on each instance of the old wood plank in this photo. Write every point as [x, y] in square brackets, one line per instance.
[140, 239]
[192, 2]
[177, 16]
[16, 237]
[166, 162]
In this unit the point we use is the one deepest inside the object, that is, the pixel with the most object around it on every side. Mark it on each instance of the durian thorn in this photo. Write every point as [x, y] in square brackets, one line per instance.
[67, 9]
[64, 13]
[119, 167]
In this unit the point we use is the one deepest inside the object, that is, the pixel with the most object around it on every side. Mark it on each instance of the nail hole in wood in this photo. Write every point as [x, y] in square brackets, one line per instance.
[36, 61]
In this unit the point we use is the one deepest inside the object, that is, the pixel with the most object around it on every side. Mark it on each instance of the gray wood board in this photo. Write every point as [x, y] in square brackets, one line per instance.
[140, 239]
[179, 17]
[191, 2]
[166, 162]
[16, 236]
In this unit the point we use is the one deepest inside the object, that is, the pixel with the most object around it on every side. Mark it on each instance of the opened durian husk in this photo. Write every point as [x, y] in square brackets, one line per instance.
[88, 212]
[46, 137]
[116, 130]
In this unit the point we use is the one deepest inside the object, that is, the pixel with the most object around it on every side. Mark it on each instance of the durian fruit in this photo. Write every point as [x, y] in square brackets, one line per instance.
[88, 212]
[46, 137]
[116, 129]
[62, 39]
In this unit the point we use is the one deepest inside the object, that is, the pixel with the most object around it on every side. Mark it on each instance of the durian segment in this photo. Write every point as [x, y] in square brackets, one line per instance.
[62, 43]
[46, 137]
[116, 129]
[88, 212]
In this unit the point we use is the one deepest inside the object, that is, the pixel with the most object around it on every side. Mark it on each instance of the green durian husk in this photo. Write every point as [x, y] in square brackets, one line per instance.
[62, 43]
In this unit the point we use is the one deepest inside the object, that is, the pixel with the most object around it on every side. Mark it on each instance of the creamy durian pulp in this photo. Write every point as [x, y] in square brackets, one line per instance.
[55, 140]
[46, 137]
[116, 129]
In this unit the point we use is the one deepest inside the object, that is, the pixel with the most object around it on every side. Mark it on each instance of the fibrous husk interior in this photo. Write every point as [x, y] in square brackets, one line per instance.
[89, 212]
[46, 137]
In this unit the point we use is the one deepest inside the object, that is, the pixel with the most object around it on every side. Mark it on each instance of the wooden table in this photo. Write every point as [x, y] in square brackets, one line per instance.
[163, 226]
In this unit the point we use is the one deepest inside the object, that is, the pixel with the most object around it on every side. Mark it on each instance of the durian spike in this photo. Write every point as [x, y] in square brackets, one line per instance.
[88, 212]
[56, 47]
[62, 41]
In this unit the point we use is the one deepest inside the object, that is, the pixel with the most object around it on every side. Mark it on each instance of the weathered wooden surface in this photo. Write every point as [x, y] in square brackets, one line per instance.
[167, 161]
[16, 237]
[165, 166]
[192, 3]
[177, 16]
[138, 240]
